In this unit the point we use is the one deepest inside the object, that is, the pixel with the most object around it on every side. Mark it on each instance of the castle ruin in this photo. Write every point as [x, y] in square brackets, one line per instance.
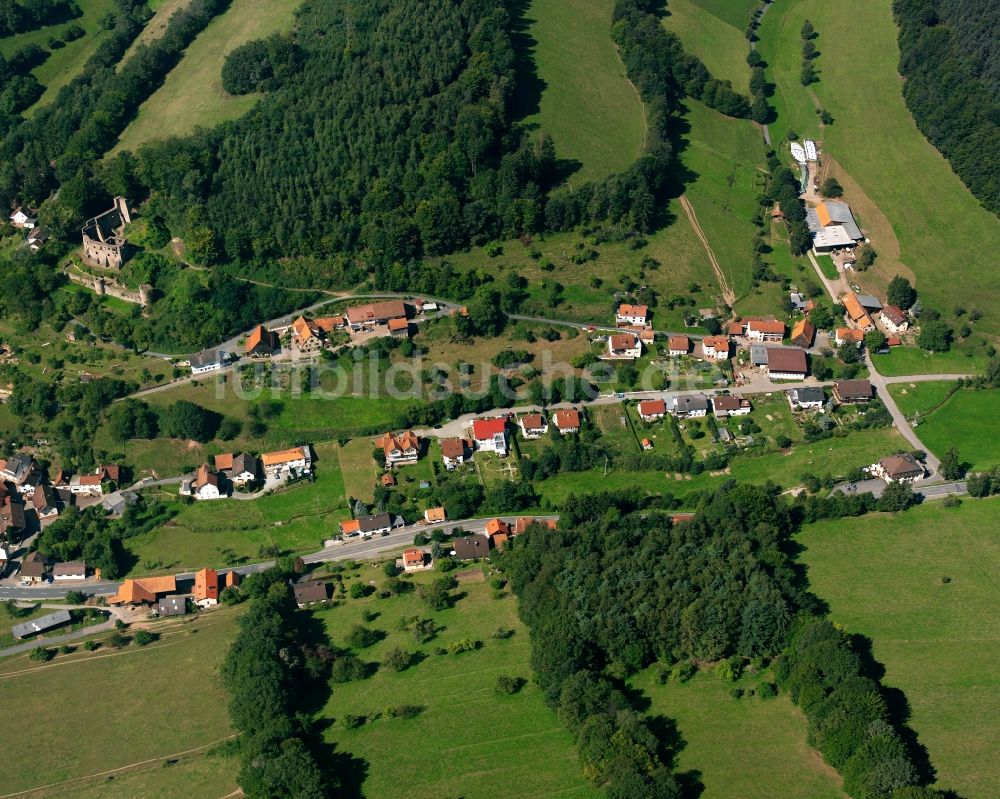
[104, 242]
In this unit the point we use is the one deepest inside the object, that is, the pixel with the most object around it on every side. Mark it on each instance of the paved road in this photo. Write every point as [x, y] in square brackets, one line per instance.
[938, 490]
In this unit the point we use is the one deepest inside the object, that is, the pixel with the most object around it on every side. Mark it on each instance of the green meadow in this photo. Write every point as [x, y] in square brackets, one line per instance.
[587, 105]
[922, 585]
[718, 43]
[968, 422]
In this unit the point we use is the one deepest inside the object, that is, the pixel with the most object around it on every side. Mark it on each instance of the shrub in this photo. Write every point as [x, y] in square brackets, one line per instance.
[347, 668]
[767, 690]
[683, 671]
[118, 641]
[91, 645]
[352, 722]
[360, 590]
[509, 685]
[503, 633]
[404, 711]
[729, 669]
[42, 654]
[75, 597]
[465, 645]
[144, 637]
[362, 637]
[397, 659]
[66, 649]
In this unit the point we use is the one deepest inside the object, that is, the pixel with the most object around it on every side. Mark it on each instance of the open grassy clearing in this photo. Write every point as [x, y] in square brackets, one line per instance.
[968, 422]
[469, 741]
[834, 456]
[162, 10]
[960, 359]
[174, 703]
[750, 748]
[733, 12]
[725, 157]
[921, 398]
[228, 531]
[587, 105]
[937, 641]
[681, 256]
[192, 95]
[65, 63]
[358, 468]
[720, 45]
[944, 235]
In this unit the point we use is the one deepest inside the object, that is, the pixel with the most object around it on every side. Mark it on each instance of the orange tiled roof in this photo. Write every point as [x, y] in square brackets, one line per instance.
[206, 584]
[823, 214]
[850, 334]
[497, 526]
[622, 341]
[716, 343]
[398, 324]
[632, 310]
[567, 419]
[652, 408]
[329, 323]
[413, 557]
[766, 325]
[435, 514]
[144, 589]
[853, 307]
[350, 526]
[282, 456]
[224, 461]
[679, 343]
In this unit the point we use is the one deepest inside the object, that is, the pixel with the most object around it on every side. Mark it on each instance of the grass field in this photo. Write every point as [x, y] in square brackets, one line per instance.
[968, 422]
[116, 709]
[222, 532]
[937, 641]
[469, 741]
[733, 12]
[587, 105]
[358, 468]
[192, 95]
[719, 44]
[938, 231]
[725, 156]
[66, 62]
[834, 456]
[921, 398]
[960, 359]
[751, 748]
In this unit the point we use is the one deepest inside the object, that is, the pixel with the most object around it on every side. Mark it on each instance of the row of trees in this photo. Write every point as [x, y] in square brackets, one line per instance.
[952, 86]
[27, 15]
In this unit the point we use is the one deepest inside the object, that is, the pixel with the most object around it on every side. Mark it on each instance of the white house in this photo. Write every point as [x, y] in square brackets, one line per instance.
[902, 468]
[651, 410]
[287, 462]
[894, 319]
[64, 572]
[453, 452]
[624, 345]
[207, 361]
[20, 219]
[204, 486]
[86, 484]
[727, 405]
[689, 406]
[765, 330]
[715, 348]
[400, 450]
[806, 398]
[490, 435]
[567, 420]
[533, 425]
[631, 315]
[678, 345]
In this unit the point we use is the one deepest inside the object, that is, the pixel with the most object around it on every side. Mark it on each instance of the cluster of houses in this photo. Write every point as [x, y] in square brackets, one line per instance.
[845, 392]
[497, 533]
[245, 469]
[29, 500]
[864, 313]
[27, 219]
[169, 596]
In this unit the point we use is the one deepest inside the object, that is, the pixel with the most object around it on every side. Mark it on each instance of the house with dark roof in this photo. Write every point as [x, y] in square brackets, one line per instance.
[901, 468]
[806, 399]
[786, 363]
[45, 502]
[207, 361]
[533, 425]
[894, 319]
[471, 547]
[689, 406]
[453, 452]
[41, 624]
[34, 567]
[728, 405]
[380, 523]
[74, 570]
[172, 606]
[849, 392]
[309, 592]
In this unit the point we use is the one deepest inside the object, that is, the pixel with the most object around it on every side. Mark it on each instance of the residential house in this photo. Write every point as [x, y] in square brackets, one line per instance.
[631, 315]
[37, 239]
[522, 523]
[362, 317]
[23, 218]
[144, 590]
[171, 606]
[850, 392]
[902, 468]
[495, 526]
[806, 399]
[309, 592]
[206, 588]
[380, 523]
[110, 472]
[238, 469]
[851, 334]
[400, 449]
[350, 528]
[34, 567]
[728, 405]
[41, 624]
[22, 471]
[646, 444]
[735, 328]
[399, 328]
[434, 515]
[64, 572]
[13, 523]
[414, 560]
[490, 435]
[758, 355]
[715, 348]
[306, 335]
[689, 406]
[786, 363]
[330, 323]
[894, 319]
[624, 345]
[832, 226]
[857, 315]
[116, 502]
[651, 410]
[678, 345]
[86, 485]
[4, 559]
[45, 502]
[567, 420]
[388, 480]
[533, 425]
[803, 333]
[207, 361]
[233, 578]
[765, 330]
[647, 336]
[261, 343]
[471, 547]
[287, 462]
[204, 486]
[453, 452]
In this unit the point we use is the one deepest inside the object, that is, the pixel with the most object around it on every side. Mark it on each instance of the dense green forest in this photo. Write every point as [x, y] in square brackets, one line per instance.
[618, 586]
[18, 17]
[950, 57]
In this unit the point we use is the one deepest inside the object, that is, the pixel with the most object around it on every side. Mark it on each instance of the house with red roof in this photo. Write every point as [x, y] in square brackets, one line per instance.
[490, 435]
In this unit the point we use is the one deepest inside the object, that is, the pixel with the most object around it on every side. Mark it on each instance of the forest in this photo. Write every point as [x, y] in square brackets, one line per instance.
[618, 586]
[950, 58]
[18, 17]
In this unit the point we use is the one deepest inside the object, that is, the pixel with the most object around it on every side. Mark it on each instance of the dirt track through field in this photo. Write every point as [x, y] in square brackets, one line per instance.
[727, 293]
